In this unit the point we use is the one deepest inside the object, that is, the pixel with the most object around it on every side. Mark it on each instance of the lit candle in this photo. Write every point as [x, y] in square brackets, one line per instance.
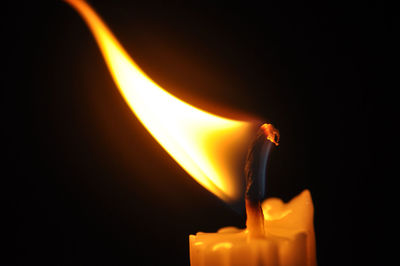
[276, 233]
[208, 147]
[288, 239]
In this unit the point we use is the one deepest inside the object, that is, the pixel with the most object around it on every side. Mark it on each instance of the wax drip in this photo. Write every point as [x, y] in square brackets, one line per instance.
[255, 173]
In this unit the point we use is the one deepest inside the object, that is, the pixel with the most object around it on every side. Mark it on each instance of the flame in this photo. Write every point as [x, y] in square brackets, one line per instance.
[205, 145]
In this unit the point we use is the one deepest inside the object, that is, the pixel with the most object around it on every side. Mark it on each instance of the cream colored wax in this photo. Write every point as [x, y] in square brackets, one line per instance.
[289, 238]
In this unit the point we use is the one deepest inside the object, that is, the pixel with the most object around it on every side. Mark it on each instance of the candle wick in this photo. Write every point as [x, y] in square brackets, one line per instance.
[255, 219]
[255, 172]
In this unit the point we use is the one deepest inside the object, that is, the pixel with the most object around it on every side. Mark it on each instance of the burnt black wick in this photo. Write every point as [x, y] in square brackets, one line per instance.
[255, 173]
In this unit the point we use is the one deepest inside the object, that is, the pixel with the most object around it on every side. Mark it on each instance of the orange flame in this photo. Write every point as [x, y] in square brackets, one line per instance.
[205, 145]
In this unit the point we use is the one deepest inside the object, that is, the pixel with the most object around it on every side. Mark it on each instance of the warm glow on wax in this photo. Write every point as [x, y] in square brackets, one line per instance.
[202, 143]
[289, 238]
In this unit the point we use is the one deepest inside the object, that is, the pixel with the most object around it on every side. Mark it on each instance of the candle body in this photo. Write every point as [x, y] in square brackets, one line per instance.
[289, 238]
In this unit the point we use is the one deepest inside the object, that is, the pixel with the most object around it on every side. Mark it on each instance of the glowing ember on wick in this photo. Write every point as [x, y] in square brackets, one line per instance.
[209, 147]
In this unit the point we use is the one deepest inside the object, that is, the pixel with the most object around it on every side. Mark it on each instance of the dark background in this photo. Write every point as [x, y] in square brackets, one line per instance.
[83, 183]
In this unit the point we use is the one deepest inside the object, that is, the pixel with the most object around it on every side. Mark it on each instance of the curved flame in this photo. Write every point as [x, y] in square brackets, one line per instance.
[205, 145]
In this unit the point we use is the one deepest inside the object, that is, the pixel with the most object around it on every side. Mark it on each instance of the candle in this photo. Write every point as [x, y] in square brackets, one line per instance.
[276, 233]
[208, 147]
[288, 239]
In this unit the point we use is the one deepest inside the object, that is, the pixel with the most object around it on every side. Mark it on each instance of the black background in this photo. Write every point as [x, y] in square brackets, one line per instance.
[85, 184]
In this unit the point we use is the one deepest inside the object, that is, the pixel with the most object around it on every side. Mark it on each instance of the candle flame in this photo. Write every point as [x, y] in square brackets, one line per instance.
[207, 146]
